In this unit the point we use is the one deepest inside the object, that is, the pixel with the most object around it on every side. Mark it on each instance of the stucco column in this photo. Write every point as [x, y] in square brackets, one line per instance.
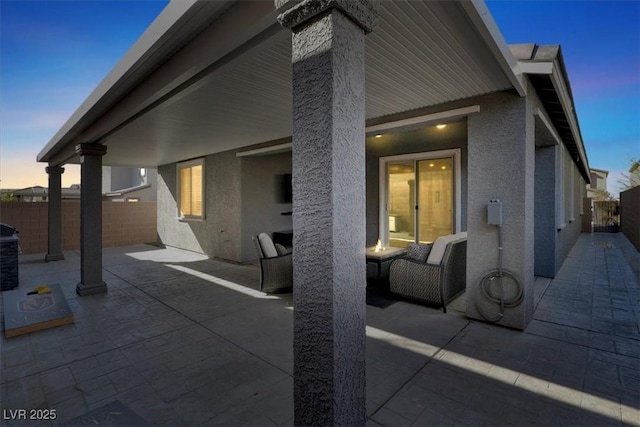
[501, 165]
[54, 251]
[91, 219]
[328, 207]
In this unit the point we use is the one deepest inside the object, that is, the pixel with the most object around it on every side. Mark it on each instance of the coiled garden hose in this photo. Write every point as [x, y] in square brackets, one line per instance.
[500, 274]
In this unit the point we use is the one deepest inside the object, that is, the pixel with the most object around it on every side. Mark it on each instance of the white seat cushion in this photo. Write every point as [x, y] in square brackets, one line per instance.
[267, 246]
[437, 251]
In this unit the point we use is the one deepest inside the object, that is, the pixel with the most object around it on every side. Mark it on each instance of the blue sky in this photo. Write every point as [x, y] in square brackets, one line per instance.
[600, 43]
[54, 53]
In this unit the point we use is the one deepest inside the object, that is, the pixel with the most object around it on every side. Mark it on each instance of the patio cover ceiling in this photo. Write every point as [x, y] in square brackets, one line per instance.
[212, 76]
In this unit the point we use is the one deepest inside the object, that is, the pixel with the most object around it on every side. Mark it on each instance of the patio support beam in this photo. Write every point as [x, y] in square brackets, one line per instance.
[91, 219]
[54, 249]
[328, 207]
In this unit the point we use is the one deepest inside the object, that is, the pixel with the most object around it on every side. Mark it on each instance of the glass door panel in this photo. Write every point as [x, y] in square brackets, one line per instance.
[401, 203]
[435, 198]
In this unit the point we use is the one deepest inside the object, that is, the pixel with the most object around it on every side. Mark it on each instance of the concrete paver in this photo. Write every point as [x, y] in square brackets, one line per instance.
[184, 340]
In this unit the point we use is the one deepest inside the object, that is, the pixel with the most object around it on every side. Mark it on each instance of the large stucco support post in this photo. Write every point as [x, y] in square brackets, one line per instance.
[91, 219]
[328, 207]
[54, 249]
[501, 165]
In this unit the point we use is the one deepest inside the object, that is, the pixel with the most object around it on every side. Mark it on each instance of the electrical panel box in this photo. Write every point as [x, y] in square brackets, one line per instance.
[494, 212]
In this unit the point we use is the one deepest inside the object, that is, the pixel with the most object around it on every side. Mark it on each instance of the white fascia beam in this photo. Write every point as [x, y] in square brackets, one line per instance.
[65, 155]
[190, 65]
[152, 35]
[273, 149]
[241, 23]
[424, 119]
[481, 18]
[536, 67]
[395, 125]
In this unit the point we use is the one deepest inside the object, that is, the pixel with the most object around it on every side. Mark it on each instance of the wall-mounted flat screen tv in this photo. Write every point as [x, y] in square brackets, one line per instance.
[284, 189]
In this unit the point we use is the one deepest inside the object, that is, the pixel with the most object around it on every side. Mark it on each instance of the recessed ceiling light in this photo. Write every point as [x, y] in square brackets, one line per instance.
[441, 126]
[378, 136]
[431, 165]
[444, 167]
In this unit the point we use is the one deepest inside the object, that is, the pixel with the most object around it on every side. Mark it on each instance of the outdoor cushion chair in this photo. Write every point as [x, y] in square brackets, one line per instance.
[276, 267]
[434, 280]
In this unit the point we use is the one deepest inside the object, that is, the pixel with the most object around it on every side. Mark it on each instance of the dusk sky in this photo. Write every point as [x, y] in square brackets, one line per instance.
[54, 53]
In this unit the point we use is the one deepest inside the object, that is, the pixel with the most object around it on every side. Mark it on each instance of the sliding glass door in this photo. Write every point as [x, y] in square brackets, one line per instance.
[419, 204]
[435, 201]
[401, 214]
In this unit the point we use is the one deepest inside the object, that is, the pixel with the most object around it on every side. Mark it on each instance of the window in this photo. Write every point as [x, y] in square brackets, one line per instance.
[419, 196]
[191, 189]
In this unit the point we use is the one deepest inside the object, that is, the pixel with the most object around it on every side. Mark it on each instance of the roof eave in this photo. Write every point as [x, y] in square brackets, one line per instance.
[555, 70]
[154, 36]
[481, 18]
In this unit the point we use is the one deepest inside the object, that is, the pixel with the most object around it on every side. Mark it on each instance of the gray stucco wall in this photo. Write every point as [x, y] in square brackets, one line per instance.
[552, 244]
[241, 199]
[545, 212]
[419, 141]
[566, 237]
[219, 233]
[261, 207]
[501, 163]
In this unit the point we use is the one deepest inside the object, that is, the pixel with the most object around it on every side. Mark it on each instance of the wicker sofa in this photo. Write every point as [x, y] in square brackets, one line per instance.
[435, 279]
[276, 265]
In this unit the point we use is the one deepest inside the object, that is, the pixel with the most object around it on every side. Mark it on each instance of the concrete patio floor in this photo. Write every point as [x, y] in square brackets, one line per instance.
[183, 340]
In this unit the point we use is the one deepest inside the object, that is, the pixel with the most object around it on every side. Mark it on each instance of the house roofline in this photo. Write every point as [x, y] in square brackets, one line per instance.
[151, 48]
[599, 170]
[548, 61]
[483, 21]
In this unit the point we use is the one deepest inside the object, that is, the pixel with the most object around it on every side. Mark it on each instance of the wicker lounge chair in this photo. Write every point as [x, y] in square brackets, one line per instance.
[276, 268]
[436, 280]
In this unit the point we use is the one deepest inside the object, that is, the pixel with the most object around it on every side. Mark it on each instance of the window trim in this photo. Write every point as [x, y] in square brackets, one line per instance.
[179, 167]
[383, 186]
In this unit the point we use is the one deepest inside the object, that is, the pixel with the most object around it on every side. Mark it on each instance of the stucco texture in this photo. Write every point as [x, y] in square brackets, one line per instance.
[219, 233]
[329, 222]
[501, 166]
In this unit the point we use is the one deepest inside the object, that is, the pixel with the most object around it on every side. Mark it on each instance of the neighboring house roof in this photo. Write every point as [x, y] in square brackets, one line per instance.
[31, 191]
[219, 75]
[71, 193]
[67, 193]
[600, 171]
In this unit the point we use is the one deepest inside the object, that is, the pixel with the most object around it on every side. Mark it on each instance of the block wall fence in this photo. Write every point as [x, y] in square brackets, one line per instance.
[122, 224]
[630, 215]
